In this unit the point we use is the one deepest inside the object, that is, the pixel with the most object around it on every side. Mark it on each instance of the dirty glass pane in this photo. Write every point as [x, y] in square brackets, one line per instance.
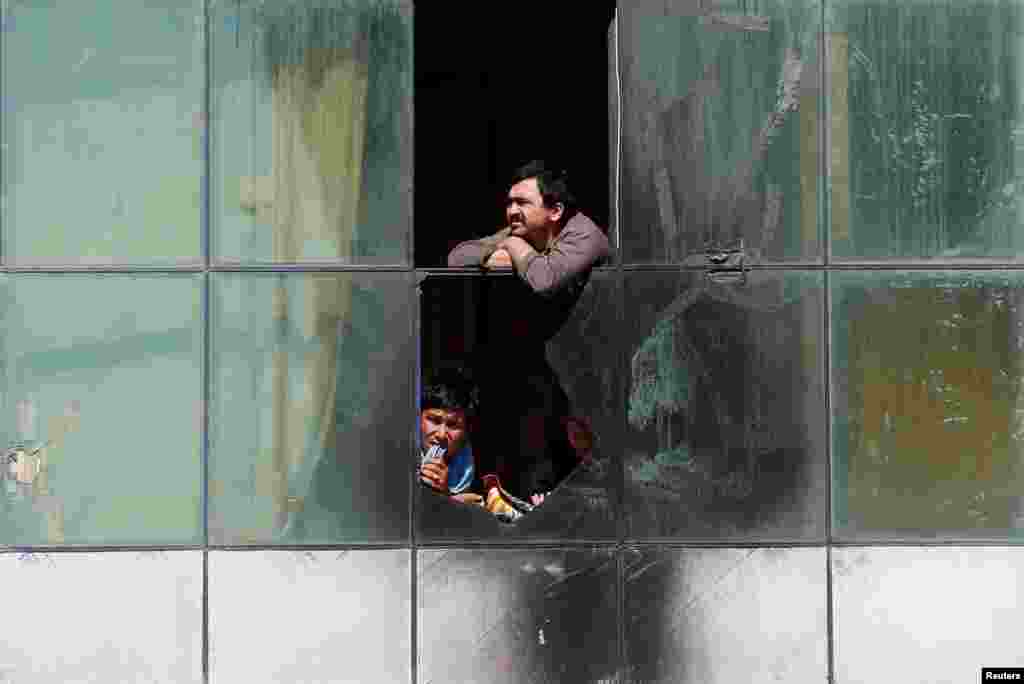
[720, 128]
[928, 376]
[719, 615]
[925, 614]
[725, 406]
[924, 103]
[102, 131]
[310, 379]
[509, 617]
[312, 131]
[325, 616]
[548, 413]
[107, 617]
[102, 409]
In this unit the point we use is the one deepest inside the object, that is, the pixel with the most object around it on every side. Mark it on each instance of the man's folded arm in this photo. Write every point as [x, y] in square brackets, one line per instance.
[570, 256]
[476, 252]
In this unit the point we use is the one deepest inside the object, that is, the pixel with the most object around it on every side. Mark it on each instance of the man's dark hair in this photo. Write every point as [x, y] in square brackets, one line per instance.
[553, 185]
[451, 389]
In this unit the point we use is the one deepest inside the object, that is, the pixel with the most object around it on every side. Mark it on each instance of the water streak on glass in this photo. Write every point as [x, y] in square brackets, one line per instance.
[720, 128]
[102, 132]
[310, 380]
[312, 131]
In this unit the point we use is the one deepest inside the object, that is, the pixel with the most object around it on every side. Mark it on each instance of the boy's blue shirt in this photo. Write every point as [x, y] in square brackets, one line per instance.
[461, 470]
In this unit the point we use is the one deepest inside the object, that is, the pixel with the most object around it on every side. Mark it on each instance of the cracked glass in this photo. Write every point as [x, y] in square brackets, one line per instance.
[725, 406]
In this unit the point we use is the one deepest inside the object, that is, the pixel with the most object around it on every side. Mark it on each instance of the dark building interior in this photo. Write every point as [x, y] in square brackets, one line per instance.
[496, 88]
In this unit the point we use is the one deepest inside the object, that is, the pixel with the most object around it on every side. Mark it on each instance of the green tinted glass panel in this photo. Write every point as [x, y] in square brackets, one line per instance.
[101, 409]
[719, 128]
[924, 102]
[311, 379]
[102, 129]
[927, 416]
[312, 131]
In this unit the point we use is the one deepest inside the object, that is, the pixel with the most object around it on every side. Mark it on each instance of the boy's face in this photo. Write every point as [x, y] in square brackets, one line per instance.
[444, 427]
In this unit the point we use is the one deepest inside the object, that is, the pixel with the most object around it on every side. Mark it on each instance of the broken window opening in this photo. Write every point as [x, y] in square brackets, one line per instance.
[476, 121]
[493, 410]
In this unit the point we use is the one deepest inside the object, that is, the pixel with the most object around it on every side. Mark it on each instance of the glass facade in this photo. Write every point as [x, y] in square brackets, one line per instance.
[103, 133]
[800, 368]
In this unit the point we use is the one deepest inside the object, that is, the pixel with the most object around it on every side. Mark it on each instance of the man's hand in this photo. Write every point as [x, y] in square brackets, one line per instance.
[518, 250]
[499, 259]
[434, 474]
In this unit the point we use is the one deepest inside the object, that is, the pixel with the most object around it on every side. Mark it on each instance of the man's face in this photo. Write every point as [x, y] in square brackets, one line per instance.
[444, 427]
[526, 213]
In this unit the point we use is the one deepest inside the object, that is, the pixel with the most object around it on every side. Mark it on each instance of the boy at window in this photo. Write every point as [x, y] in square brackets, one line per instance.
[447, 464]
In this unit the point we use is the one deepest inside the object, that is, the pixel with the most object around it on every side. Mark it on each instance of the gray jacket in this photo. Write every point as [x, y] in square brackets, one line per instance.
[578, 247]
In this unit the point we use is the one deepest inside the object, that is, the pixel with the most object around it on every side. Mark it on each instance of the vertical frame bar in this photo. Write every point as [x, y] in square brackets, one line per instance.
[416, 325]
[4, 9]
[207, 351]
[825, 216]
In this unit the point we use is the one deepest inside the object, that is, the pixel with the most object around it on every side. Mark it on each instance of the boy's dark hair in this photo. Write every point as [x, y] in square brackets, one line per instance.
[450, 389]
[553, 185]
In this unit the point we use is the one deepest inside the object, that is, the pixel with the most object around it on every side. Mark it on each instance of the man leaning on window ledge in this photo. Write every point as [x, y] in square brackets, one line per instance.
[547, 240]
[553, 247]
